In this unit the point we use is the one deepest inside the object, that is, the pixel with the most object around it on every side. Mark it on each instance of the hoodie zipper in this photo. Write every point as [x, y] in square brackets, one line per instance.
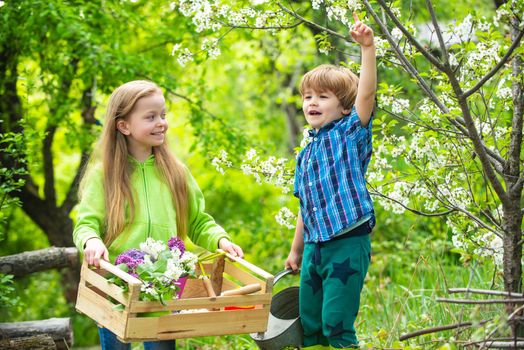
[143, 169]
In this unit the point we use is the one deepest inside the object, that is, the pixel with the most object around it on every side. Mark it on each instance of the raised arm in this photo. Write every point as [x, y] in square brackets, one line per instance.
[367, 85]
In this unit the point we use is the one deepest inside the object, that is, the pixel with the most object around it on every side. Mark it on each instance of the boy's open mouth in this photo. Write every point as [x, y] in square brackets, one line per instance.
[314, 113]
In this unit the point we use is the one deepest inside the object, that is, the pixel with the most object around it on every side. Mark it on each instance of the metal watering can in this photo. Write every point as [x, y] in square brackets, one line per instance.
[283, 326]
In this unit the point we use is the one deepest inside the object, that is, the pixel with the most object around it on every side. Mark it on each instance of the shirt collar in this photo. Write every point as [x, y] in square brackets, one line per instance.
[325, 128]
[150, 160]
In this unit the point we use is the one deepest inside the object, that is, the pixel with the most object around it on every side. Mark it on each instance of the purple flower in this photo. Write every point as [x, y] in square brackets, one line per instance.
[135, 254]
[175, 242]
[131, 258]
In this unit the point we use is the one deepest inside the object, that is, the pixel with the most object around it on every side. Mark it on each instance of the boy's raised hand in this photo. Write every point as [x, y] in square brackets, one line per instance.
[361, 33]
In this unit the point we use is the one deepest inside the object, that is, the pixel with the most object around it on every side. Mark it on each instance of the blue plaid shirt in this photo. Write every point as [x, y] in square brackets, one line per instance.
[329, 178]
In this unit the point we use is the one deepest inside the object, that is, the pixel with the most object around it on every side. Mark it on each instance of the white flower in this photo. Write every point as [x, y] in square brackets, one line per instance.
[396, 33]
[399, 105]
[184, 57]
[251, 154]
[176, 47]
[211, 47]
[315, 4]
[286, 218]
[153, 247]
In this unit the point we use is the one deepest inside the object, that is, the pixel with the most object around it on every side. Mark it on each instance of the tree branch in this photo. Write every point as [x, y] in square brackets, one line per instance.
[478, 145]
[483, 291]
[437, 329]
[495, 69]
[418, 212]
[313, 24]
[515, 146]
[71, 196]
[436, 26]
[410, 37]
[49, 170]
[406, 64]
[481, 302]
[88, 116]
[290, 26]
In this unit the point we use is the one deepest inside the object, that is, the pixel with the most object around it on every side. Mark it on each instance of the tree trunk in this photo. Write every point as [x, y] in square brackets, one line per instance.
[36, 342]
[59, 329]
[58, 226]
[38, 260]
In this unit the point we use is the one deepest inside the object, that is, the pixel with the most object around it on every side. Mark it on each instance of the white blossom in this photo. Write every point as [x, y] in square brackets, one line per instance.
[153, 247]
[396, 33]
[286, 218]
[211, 47]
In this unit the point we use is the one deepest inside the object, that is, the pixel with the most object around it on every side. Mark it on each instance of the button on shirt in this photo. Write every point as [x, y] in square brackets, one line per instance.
[329, 178]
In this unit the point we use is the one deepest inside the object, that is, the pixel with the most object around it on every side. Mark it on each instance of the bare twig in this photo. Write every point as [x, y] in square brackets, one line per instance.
[437, 329]
[436, 26]
[484, 291]
[513, 314]
[481, 302]
[418, 212]
[289, 26]
[505, 345]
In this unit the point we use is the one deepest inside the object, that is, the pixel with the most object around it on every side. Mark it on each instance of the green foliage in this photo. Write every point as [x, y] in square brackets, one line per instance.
[247, 98]
[11, 144]
[8, 298]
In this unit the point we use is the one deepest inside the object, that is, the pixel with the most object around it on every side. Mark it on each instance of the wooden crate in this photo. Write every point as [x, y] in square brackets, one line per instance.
[134, 324]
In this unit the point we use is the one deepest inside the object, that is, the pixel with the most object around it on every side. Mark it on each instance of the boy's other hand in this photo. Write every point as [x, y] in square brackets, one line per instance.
[293, 261]
[230, 248]
[94, 250]
[361, 33]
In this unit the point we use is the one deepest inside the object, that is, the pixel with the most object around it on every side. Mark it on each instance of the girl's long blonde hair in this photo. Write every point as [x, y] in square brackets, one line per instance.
[113, 150]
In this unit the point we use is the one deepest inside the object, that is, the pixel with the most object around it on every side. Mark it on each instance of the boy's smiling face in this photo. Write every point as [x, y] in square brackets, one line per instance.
[321, 108]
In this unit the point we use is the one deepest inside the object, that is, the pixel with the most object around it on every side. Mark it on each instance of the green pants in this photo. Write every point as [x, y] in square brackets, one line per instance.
[331, 280]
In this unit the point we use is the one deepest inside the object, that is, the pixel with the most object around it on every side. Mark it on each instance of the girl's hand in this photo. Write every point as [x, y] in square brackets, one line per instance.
[230, 248]
[94, 250]
[361, 33]
[293, 261]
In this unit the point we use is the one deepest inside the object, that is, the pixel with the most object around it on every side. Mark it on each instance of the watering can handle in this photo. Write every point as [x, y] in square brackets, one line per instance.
[282, 273]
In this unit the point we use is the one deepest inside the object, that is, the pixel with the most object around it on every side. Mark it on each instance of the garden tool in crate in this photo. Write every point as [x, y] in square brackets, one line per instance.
[284, 327]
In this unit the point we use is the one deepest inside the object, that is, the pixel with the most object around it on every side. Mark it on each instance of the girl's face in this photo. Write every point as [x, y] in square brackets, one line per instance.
[145, 126]
[321, 108]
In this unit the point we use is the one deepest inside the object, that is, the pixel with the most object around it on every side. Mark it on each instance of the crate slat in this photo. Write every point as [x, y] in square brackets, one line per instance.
[201, 303]
[197, 324]
[101, 310]
[104, 285]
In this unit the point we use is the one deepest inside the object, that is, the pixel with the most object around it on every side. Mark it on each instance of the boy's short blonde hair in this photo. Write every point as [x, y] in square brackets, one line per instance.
[339, 80]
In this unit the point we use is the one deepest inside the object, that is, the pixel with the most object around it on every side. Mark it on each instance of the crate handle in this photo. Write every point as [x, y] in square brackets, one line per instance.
[248, 265]
[119, 273]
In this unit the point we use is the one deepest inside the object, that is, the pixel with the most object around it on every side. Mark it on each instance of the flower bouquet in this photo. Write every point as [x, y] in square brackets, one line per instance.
[163, 269]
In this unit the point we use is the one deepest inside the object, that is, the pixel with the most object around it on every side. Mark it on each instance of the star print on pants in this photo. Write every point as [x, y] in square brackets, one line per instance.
[315, 282]
[337, 330]
[343, 271]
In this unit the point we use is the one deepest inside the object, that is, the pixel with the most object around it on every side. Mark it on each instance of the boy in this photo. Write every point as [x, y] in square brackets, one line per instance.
[332, 237]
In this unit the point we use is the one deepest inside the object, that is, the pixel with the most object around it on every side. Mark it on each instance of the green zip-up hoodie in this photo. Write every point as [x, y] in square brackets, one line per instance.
[155, 214]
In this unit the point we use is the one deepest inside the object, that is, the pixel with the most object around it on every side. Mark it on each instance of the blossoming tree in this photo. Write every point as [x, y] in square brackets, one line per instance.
[451, 147]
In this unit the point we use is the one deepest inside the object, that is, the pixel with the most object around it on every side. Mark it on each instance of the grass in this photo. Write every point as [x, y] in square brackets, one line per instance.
[399, 296]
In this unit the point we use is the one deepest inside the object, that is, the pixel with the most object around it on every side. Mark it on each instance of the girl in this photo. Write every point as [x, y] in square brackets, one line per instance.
[135, 188]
